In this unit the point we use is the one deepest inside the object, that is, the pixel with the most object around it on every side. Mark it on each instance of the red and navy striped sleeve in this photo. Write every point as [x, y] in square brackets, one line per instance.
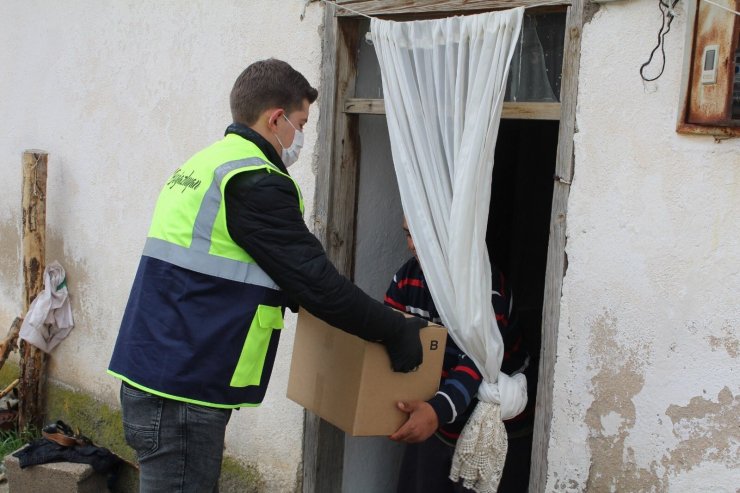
[408, 292]
[460, 382]
[395, 296]
[456, 398]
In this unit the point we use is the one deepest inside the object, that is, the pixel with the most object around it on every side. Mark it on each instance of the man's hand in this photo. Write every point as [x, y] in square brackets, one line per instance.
[404, 346]
[422, 422]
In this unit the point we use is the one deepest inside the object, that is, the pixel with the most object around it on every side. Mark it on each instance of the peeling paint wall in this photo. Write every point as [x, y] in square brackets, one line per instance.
[120, 95]
[647, 390]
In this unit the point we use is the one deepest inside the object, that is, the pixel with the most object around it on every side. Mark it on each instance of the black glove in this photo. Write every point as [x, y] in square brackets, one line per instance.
[404, 345]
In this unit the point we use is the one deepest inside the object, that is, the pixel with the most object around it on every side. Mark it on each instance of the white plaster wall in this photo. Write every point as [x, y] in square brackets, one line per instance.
[647, 392]
[120, 94]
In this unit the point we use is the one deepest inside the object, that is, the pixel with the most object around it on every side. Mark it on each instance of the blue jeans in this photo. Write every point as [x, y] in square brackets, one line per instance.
[179, 445]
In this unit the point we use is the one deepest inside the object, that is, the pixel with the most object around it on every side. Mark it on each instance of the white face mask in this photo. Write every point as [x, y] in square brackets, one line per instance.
[290, 155]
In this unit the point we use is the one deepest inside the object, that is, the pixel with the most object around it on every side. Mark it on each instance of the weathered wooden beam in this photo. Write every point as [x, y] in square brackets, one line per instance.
[9, 388]
[420, 7]
[33, 360]
[323, 456]
[530, 111]
[511, 110]
[345, 166]
[323, 444]
[364, 106]
[325, 128]
[556, 261]
[10, 343]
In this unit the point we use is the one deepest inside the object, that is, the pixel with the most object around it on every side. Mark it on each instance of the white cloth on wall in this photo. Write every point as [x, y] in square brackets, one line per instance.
[49, 318]
[443, 83]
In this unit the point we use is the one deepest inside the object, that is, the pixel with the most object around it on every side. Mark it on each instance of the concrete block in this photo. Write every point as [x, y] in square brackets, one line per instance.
[62, 477]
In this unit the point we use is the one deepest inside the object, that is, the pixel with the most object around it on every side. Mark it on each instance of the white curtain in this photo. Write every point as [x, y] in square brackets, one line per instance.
[443, 83]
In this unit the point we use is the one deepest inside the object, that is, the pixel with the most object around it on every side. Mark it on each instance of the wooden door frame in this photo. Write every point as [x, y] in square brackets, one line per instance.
[337, 158]
[556, 259]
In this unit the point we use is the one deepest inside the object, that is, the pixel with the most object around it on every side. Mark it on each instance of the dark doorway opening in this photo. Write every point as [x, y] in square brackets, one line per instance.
[519, 220]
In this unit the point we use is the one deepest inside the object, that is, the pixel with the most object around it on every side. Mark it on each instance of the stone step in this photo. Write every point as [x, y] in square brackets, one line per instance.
[62, 477]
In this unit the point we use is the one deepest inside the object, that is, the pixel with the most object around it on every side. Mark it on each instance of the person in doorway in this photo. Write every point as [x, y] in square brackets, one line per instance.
[226, 253]
[434, 426]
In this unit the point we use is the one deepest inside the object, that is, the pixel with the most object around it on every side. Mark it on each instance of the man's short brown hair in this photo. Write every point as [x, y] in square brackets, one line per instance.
[267, 84]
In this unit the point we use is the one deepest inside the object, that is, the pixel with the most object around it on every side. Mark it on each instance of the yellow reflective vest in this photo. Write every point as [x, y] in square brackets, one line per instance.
[202, 320]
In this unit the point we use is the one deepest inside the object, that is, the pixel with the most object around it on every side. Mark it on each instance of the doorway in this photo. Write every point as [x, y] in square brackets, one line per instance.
[366, 243]
[517, 238]
[519, 217]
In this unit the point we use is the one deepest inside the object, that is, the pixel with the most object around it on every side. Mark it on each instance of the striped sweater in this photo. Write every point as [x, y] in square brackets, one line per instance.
[455, 400]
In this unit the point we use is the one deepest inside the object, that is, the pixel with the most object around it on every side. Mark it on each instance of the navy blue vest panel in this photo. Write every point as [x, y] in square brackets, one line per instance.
[183, 332]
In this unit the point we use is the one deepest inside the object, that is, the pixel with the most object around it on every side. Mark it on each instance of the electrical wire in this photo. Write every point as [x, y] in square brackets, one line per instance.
[666, 10]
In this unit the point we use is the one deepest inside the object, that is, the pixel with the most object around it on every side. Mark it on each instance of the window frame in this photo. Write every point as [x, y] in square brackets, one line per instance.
[724, 128]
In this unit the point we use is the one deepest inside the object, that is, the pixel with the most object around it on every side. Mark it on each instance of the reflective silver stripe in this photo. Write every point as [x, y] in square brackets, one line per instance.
[205, 263]
[206, 218]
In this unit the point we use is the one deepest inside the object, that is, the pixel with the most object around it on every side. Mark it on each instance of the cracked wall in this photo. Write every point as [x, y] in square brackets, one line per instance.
[706, 430]
[612, 413]
[646, 389]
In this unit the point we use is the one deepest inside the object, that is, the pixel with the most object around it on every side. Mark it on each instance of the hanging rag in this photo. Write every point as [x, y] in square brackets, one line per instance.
[49, 318]
[480, 452]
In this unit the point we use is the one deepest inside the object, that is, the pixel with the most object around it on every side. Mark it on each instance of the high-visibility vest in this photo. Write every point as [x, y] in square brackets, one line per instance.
[202, 322]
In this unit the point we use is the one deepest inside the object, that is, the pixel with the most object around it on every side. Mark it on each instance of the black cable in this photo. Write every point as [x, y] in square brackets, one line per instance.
[665, 28]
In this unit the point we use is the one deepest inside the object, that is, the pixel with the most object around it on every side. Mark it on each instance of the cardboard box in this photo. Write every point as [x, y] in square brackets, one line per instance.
[349, 382]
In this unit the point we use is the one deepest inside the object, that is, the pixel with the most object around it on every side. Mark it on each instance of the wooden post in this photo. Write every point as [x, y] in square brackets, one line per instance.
[323, 444]
[10, 343]
[556, 260]
[334, 218]
[33, 360]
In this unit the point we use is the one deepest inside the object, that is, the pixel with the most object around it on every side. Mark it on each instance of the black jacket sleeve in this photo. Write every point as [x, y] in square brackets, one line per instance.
[263, 217]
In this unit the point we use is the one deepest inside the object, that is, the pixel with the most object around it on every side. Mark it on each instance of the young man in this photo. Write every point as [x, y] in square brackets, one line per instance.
[227, 251]
[434, 426]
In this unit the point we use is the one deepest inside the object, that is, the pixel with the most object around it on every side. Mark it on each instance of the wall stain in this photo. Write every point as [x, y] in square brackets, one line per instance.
[589, 11]
[79, 285]
[566, 484]
[707, 430]
[618, 379]
[729, 342]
